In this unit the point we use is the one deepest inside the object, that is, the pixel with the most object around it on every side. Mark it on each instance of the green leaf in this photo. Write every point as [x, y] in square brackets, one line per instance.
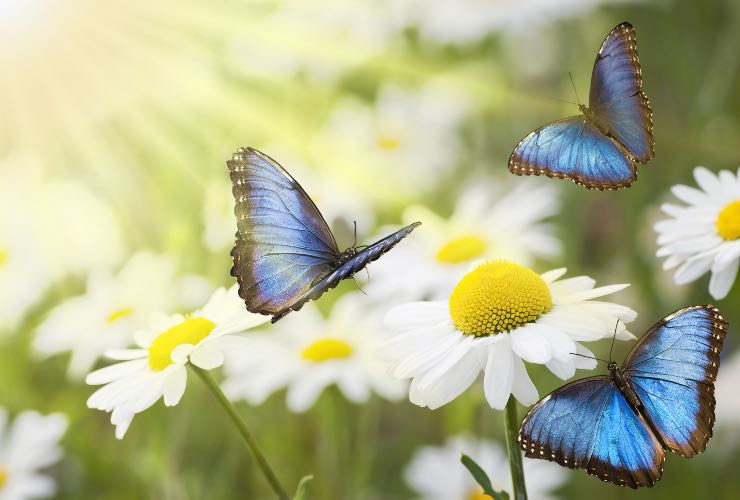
[302, 489]
[481, 478]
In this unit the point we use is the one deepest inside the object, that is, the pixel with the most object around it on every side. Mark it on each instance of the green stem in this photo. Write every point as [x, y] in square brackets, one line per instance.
[515, 454]
[264, 466]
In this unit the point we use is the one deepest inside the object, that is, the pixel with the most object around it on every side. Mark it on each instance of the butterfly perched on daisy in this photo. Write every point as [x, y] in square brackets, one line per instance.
[598, 148]
[285, 254]
[618, 426]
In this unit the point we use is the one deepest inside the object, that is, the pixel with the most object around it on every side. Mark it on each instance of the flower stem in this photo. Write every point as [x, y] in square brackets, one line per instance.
[264, 466]
[515, 454]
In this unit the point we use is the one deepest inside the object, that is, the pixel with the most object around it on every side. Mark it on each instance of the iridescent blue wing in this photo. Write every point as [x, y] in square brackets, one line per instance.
[589, 425]
[573, 148]
[616, 96]
[283, 244]
[672, 369]
[349, 268]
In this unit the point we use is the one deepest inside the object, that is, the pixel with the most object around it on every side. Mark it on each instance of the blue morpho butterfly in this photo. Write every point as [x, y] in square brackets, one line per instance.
[616, 427]
[285, 254]
[596, 149]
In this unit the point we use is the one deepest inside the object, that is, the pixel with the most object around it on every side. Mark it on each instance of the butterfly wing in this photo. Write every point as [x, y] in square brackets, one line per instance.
[588, 424]
[616, 96]
[283, 244]
[349, 268]
[672, 369]
[573, 148]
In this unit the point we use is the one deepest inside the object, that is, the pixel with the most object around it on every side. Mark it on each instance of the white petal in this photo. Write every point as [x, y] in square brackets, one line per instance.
[690, 195]
[529, 342]
[417, 315]
[126, 354]
[174, 386]
[449, 385]
[207, 357]
[499, 373]
[721, 281]
[590, 294]
[181, 353]
[562, 369]
[693, 269]
[707, 180]
[553, 275]
[523, 388]
[114, 372]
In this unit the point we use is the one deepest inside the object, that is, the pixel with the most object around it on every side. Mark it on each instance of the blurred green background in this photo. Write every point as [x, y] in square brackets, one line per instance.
[142, 102]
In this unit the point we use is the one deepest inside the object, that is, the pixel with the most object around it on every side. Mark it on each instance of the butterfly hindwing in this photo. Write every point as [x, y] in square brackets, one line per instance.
[616, 95]
[588, 424]
[573, 148]
[283, 243]
[350, 267]
[672, 369]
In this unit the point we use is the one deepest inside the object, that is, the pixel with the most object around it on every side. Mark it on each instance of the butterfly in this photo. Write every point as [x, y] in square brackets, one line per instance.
[285, 254]
[617, 427]
[597, 148]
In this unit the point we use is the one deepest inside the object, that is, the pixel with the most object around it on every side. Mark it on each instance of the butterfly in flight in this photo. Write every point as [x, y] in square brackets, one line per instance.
[285, 254]
[597, 148]
[617, 427]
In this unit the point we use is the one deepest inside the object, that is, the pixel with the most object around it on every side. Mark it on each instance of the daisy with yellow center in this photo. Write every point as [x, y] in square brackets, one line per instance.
[112, 308]
[28, 448]
[703, 235]
[307, 352]
[498, 316]
[435, 472]
[510, 227]
[157, 368]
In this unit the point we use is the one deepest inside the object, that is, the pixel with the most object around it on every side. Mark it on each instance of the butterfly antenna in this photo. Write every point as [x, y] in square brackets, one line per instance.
[354, 245]
[358, 285]
[574, 87]
[611, 349]
[589, 357]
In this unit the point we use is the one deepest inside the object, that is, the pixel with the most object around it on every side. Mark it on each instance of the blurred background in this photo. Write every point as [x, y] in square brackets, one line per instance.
[116, 119]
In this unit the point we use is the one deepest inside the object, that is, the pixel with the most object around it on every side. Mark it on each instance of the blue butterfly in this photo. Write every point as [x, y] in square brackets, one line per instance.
[596, 149]
[285, 254]
[616, 427]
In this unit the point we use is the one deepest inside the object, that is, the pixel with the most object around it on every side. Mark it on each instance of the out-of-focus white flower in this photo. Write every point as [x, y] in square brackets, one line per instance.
[498, 316]
[157, 368]
[727, 413]
[704, 234]
[466, 21]
[487, 222]
[306, 353]
[341, 203]
[435, 473]
[48, 228]
[113, 307]
[27, 448]
[409, 136]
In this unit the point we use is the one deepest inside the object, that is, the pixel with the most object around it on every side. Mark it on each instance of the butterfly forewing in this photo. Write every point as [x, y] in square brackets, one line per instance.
[672, 369]
[283, 243]
[573, 148]
[616, 95]
[588, 424]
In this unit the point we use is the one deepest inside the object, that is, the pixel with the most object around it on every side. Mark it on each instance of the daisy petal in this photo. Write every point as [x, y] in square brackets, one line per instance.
[499, 375]
[721, 281]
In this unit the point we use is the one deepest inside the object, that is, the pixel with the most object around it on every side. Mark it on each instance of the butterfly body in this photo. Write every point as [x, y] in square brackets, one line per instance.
[285, 254]
[597, 148]
[617, 427]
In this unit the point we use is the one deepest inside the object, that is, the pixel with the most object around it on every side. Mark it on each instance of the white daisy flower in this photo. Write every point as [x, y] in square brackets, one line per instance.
[27, 448]
[307, 353]
[157, 368]
[435, 472]
[704, 234]
[433, 260]
[498, 316]
[386, 141]
[112, 308]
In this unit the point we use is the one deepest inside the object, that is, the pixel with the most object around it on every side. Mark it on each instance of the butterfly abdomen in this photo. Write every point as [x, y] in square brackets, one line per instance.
[626, 388]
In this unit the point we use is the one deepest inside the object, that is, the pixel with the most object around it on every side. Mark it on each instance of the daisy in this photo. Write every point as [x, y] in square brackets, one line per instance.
[435, 472]
[498, 316]
[157, 368]
[113, 307]
[704, 234]
[504, 222]
[388, 144]
[307, 353]
[27, 449]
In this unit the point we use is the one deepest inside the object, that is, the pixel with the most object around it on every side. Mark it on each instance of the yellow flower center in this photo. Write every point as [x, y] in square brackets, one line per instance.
[388, 142]
[498, 296]
[326, 349]
[3, 257]
[728, 222]
[190, 331]
[477, 494]
[120, 313]
[3, 477]
[461, 249]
